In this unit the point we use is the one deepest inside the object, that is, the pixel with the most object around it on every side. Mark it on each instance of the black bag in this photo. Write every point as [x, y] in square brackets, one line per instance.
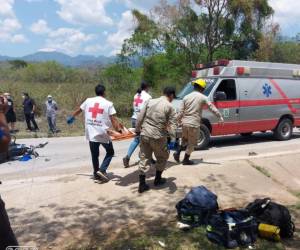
[268, 212]
[197, 207]
[232, 229]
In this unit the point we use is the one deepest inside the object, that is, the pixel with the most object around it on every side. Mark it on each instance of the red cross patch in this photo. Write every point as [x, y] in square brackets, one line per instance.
[138, 101]
[96, 110]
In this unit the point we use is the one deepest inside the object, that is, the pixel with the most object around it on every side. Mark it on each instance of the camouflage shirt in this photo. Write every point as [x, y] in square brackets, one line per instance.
[190, 114]
[157, 119]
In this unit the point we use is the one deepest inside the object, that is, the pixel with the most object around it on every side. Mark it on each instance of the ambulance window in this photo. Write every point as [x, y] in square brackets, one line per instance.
[228, 87]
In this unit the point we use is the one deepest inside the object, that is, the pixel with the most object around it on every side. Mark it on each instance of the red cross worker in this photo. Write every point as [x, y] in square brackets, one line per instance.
[99, 114]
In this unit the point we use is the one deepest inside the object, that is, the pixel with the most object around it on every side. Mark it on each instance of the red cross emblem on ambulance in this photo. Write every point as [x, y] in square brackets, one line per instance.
[96, 110]
[138, 101]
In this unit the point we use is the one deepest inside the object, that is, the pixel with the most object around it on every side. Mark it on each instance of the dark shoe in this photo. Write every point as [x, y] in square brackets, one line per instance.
[103, 175]
[176, 157]
[187, 161]
[126, 162]
[158, 179]
[143, 187]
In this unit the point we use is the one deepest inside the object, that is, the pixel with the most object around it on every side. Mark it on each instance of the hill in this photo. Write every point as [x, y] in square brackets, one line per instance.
[77, 61]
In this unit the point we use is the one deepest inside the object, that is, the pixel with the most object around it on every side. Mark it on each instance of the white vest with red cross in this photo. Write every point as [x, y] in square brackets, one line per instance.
[139, 102]
[97, 112]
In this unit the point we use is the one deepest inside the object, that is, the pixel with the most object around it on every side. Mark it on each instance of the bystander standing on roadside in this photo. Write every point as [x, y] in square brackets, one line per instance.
[51, 112]
[10, 114]
[29, 112]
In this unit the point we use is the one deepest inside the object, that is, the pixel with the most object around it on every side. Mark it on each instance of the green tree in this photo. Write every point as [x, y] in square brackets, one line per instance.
[18, 64]
[185, 36]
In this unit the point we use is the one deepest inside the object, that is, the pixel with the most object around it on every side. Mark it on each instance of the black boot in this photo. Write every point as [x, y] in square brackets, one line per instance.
[187, 161]
[158, 179]
[143, 186]
[126, 160]
[176, 155]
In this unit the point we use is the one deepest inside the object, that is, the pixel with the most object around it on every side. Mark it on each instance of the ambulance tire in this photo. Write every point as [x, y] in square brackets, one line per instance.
[284, 130]
[204, 138]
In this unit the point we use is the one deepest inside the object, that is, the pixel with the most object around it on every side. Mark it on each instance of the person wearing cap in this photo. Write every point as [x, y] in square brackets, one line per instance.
[29, 108]
[190, 116]
[10, 114]
[139, 100]
[51, 111]
[155, 122]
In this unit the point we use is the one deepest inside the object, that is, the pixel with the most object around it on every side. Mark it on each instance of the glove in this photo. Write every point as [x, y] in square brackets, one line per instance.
[172, 145]
[1, 134]
[70, 120]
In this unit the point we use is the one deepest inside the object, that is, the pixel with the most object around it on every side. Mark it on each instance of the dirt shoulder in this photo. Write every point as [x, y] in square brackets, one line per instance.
[71, 211]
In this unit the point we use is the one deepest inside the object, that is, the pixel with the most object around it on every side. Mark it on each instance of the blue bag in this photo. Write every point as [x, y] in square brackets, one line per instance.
[197, 206]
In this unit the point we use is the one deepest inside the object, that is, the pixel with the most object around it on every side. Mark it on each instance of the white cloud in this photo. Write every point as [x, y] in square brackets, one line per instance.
[287, 14]
[84, 12]
[95, 48]
[143, 6]
[9, 24]
[6, 8]
[125, 29]
[34, 1]
[47, 50]
[40, 27]
[67, 40]
[18, 38]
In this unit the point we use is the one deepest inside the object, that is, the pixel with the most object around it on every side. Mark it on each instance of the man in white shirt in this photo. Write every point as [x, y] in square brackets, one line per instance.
[139, 100]
[99, 118]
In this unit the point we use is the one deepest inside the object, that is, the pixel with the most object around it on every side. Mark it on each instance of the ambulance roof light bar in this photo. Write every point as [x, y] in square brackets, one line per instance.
[242, 71]
[222, 62]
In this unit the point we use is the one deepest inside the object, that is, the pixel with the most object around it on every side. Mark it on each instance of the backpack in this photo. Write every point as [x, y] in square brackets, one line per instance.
[232, 229]
[197, 206]
[268, 212]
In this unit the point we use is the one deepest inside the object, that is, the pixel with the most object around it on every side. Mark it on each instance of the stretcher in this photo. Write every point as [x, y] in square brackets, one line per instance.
[126, 134]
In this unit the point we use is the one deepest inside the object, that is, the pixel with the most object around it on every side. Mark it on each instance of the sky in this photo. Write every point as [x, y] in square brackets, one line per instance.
[93, 27]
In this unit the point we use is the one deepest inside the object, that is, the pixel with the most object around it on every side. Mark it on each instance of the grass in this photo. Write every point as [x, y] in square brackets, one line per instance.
[172, 239]
[262, 170]
[76, 129]
[175, 239]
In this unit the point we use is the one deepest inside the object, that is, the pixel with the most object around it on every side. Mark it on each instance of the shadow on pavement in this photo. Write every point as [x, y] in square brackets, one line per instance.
[88, 223]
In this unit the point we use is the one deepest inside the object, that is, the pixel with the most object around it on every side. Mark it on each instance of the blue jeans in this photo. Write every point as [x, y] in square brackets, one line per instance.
[135, 143]
[94, 147]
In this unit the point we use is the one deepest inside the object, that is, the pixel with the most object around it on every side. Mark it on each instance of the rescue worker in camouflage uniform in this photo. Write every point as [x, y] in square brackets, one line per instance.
[190, 116]
[156, 120]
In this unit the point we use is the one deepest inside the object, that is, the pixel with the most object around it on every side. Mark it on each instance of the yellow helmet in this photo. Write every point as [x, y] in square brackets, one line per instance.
[199, 82]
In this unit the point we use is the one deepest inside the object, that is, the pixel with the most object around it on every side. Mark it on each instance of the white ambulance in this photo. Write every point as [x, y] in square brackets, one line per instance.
[252, 96]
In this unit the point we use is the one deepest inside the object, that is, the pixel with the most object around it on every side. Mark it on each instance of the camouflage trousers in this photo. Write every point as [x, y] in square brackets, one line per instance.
[190, 138]
[160, 149]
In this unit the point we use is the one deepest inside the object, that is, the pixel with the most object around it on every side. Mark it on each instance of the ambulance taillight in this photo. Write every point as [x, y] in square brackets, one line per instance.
[217, 71]
[194, 74]
[199, 66]
[223, 62]
[243, 71]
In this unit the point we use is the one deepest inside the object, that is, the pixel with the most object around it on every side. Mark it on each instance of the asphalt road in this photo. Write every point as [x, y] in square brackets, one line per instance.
[52, 202]
[68, 155]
